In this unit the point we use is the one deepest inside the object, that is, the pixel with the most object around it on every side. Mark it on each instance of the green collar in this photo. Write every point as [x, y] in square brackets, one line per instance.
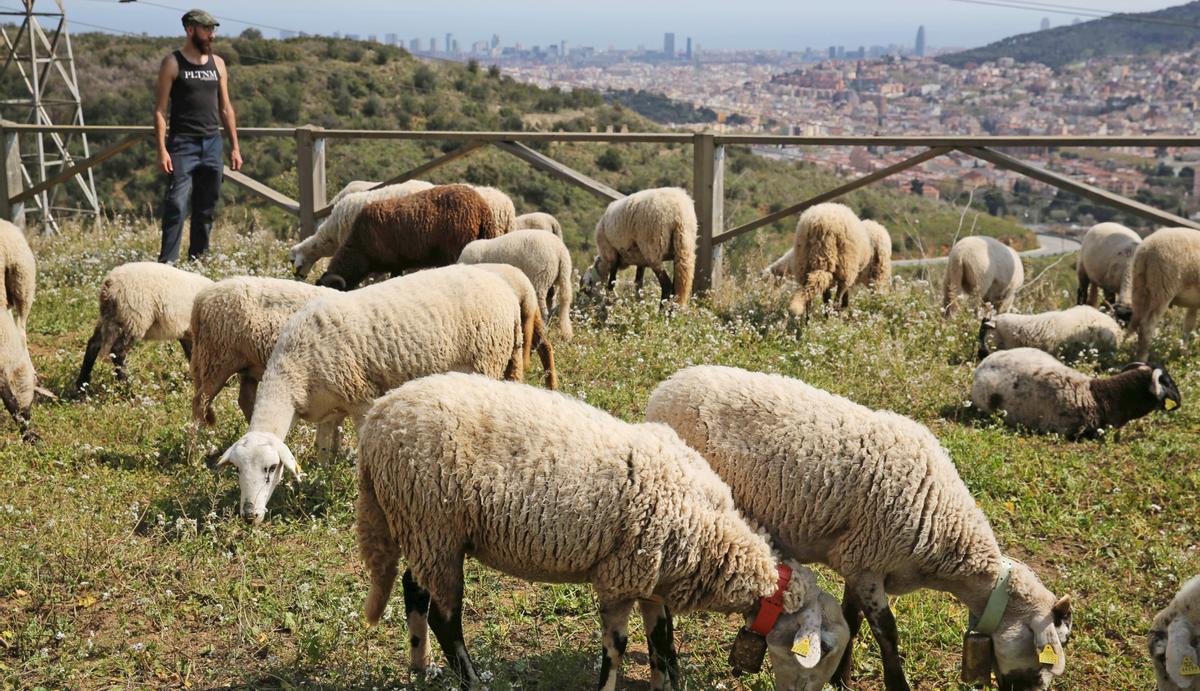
[997, 601]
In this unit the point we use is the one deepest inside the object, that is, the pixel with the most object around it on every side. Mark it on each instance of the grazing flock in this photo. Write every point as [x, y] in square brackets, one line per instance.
[735, 480]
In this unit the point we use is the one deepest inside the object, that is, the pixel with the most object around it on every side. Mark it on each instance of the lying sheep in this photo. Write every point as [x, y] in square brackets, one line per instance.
[646, 229]
[985, 269]
[1031, 388]
[17, 379]
[420, 230]
[544, 259]
[141, 301]
[501, 205]
[346, 207]
[539, 220]
[18, 273]
[339, 352]
[870, 493]
[547, 488]
[833, 252]
[1066, 331]
[533, 330]
[1104, 262]
[1166, 272]
[1173, 639]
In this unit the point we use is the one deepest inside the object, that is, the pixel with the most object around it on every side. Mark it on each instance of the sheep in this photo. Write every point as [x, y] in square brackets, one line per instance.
[1031, 388]
[833, 251]
[784, 266]
[547, 488]
[533, 330]
[333, 230]
[646, 229]
[353, 187]
[141, 301]
[1104, 261]
[870, 493]
[501, 205]
[1172, 639]
[539, 220]
[18, 273]
[878, 273]
[544, 259]
[1166, 272]
[340, 351]
[423, 229]
[984, 268]
[17, 379]
[1066, 331]
[235, 324]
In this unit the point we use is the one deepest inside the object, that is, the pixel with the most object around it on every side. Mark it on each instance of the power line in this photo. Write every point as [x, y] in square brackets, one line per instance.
[182, 10]
[1078, 11]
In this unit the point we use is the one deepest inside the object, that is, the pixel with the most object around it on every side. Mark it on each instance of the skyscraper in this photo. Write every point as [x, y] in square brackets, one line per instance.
[1045, 23]
[669, 45]
[689, 48]
[920, 47]
[449, 41]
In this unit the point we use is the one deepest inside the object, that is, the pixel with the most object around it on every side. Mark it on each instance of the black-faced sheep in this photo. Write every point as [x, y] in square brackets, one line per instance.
[985, 269]
[1166, 272]
[18, 273]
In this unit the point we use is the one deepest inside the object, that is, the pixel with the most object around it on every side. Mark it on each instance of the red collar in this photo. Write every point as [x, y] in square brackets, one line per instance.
[770, 608]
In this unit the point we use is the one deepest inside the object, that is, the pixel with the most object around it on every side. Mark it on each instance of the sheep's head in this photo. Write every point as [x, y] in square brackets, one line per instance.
[260, 459]
[1173, 652]
[1029, 643]
[301, 264]
[1164, 388]
[806, 646]
[593, 277]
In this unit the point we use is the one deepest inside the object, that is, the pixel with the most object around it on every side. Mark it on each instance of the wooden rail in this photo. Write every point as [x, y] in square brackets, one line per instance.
[708, 169]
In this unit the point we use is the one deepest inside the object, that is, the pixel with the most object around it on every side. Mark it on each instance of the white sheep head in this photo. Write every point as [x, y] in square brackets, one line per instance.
[594, 276]
[1174, 655]
[806, 646]
[301, 264]
[1029, 643]
[260, 459]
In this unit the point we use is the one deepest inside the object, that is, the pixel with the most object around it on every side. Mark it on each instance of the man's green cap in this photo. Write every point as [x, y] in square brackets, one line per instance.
[200, 17]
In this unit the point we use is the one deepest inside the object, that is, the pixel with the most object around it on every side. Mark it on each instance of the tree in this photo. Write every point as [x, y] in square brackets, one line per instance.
[251, 33]
[610, 160]
[473, 66]
[916, 187]
[995, 201]
[494, 71]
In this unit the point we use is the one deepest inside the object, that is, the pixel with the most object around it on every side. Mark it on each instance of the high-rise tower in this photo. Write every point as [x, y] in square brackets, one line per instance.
[669, 46]
[920, 47]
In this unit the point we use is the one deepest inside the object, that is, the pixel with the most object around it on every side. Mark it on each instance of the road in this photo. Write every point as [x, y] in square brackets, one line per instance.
[1050, 245]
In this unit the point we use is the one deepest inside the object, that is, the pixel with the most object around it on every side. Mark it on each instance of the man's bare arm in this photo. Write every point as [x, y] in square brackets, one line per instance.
[166, 75]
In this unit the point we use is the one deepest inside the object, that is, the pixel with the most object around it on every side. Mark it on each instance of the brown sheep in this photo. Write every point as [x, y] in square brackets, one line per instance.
[424, 229]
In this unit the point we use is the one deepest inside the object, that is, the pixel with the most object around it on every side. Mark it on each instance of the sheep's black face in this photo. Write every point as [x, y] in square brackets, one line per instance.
[1122, 313]
[1164, 388]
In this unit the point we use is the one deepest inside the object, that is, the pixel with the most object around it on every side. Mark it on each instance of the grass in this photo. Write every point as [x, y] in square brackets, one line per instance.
[123, 565]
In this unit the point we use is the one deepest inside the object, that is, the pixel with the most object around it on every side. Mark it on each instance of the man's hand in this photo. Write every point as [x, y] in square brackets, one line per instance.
[235, 159]
[164, 162]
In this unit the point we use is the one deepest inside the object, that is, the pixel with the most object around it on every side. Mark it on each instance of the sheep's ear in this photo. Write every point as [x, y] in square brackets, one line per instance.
[806, 646]
[1133, 365]
[1182, 664]
[224, 461]
[289, 461]
[1048, 646]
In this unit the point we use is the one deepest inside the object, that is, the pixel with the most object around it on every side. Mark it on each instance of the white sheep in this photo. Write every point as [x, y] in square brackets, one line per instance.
[870, 493]
[833, 251]
[1030, 387]
[1067, 331]
[18, 273]
[351, 188]
[878, 273]
[339, 352]
[784, 266]
[1173, 639]
[141, 301]
[332, 232]
[547, 488]
[1166, 272]
[544, 259]
[533, 329]
[539, 220]
[1104, 262]
[17, 379]
[501, 205]
[985, 269]
[646, 229]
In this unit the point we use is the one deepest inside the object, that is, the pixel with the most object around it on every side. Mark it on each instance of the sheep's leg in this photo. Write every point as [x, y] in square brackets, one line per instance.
[1189, 324]
[21, 417]
[120, 349]
[1146, 330]
[638, 276]
[416, 612]
[1086, 293]
[546, 302]
[612, 278]
[852, 611]
[92, 352]
[1110, 297]
[447, 627]
[187, 348]
[328, 439]
[614, 619]
[874, 602]
[664, 280]
[660, 640]
[247, 393]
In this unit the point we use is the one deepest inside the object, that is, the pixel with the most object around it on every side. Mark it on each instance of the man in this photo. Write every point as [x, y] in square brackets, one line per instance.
[189, 142]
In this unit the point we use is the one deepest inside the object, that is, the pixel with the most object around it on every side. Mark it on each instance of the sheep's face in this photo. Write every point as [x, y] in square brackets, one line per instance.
[593, 277]
[806, 646]
[1174, 652]
[1164, 388]
[260, 459]
[1029, 649]
[300, 263]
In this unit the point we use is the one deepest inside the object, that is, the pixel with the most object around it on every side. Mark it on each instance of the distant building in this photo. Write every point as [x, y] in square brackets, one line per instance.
[432, 44]
[689, 48]
[564, 48]
[372, 38]
[1045, 23]
[285, 34]
[449, 42]
[352, 37]
[414, 45]
[919, 49]
[832, 52]
[390, 39]
[495, 41]
[669, 45]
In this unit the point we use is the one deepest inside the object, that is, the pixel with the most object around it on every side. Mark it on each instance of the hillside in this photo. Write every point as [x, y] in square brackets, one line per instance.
[1173, 29]
[349, 84]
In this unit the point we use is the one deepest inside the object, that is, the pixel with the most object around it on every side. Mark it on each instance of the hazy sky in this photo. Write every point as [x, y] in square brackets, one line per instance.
[783, 24]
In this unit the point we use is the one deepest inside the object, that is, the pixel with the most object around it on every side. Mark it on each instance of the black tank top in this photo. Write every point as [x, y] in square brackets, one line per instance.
[194, 98]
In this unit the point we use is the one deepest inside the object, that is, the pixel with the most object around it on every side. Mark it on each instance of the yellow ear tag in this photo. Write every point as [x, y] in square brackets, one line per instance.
[1048, 656]
[801, 647]
[1188, 667]
[1170, 404]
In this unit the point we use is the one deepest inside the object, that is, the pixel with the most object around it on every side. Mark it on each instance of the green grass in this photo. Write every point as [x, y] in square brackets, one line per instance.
[122, 563]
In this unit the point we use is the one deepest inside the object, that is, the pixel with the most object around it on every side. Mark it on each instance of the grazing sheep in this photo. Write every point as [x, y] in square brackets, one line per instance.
[984, 268]
[339, 352]
[544, 259]
[547, 488]
[235, 324]
[420, 230]
[501, 205]
[1031, 388]
[1104, 262]
[1173, 639]
[17, 378]
[646, 229]
[18, 273]
[346, 207]
[870, 493]
[879, 272]
[533, 330]
[141, 301]
[1066, 331]
[539, 220]
[833, 252]
[1166, 272]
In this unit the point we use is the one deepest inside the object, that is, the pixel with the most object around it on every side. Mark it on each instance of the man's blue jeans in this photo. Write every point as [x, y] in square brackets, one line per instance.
[197, 163]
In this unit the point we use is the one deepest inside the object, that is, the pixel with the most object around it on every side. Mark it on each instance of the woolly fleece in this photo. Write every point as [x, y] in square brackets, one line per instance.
[1172, 638]
[648, 228]
[1078, 327]
[984, 268]
[544, 259]
[17, 378]
[1166, 272]
[539, 220]
[832, 251]
[18, 273]
[1104, 262]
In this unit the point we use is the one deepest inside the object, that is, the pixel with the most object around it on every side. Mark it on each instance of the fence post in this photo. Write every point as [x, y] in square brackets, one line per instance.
[310, 167]
[10, 178]
[708, 183]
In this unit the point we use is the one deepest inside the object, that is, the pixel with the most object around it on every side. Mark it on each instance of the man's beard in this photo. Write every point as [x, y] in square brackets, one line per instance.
[205, 47]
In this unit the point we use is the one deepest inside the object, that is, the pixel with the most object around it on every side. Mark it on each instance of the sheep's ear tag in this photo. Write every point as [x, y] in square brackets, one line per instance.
[1048, 656]
[802, 646]
[1170, 404]
[1189, 668]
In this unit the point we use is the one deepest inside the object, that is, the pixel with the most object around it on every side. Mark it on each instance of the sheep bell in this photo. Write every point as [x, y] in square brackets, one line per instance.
[977, 659]
[748, 651]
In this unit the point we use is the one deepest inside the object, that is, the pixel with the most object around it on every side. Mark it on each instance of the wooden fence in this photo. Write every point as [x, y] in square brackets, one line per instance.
[708, 168]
